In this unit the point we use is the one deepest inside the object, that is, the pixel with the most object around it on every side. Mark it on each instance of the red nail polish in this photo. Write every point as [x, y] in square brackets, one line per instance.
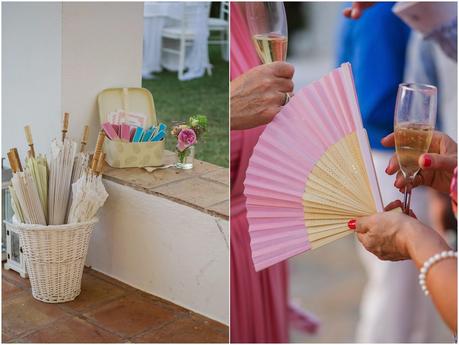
[427, 161]
[351, 224]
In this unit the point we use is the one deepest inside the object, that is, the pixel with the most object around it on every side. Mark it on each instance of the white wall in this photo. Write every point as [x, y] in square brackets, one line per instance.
[101, 48]
[31, 73]
[164, 248]
[57, 57]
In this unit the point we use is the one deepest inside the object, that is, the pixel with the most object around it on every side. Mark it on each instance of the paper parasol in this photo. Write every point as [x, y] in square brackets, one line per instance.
[310, 173]
[88, 193]
[16, 206]
[60, 178]
[82, 158]
[38, 169]
[25, 197]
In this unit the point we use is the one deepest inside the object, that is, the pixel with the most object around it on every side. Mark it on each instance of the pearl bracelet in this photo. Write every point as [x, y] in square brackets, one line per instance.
[429, 263]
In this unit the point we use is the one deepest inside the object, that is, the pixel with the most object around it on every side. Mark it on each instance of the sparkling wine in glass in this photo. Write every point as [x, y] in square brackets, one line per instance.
[414, 123]
[268, 26]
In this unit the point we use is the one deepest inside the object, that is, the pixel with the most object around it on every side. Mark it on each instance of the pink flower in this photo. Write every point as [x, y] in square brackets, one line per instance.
[185, 139]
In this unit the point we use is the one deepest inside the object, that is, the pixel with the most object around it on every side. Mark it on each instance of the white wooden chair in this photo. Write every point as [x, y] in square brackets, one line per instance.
[184, 33]
[220, 24]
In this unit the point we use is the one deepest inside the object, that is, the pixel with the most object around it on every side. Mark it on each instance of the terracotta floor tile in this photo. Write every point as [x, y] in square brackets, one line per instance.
[72, 330]
[9, 289]
[131, 315]
[6, 337]
[15, 278]
[123, 286]
[24, 313]
[94, 291]
[187, 330]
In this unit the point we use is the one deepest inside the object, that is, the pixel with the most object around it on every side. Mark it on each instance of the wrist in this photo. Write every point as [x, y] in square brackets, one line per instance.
[423, 242]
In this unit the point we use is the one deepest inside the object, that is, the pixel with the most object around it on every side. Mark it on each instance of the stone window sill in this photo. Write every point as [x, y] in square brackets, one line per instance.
[205, 187]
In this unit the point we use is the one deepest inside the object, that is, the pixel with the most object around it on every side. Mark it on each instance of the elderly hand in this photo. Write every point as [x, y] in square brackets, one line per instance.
[259, 94]
[385, 234]
[396, 236]
[437, 165]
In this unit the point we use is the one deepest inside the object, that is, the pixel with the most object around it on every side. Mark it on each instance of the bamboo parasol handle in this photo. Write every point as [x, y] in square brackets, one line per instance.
[12, 161]
[65, 125]
[98, 150]
[13, 158]
[28, 135]
[100, 164]
[17, 159]
[84, 139]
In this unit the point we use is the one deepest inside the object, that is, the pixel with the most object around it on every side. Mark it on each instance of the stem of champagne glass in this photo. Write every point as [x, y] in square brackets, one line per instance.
[407, 195]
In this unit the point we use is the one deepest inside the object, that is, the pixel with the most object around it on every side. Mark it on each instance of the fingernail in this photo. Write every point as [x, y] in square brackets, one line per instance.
[427, 161]
[353, 13]
[351, 224]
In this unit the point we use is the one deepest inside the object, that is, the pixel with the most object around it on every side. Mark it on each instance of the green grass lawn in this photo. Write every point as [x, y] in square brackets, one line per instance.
[176, 100]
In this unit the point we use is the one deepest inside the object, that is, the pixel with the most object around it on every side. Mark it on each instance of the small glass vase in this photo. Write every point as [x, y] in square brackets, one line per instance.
[185, 158]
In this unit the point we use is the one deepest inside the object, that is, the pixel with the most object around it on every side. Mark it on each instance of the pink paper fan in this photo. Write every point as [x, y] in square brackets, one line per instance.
[310, 172]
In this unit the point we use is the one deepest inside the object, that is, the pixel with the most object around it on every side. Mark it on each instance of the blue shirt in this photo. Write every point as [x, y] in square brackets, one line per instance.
[375, 45]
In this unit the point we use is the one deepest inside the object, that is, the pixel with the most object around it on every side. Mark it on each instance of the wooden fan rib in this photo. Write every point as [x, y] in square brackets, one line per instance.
[323, 241]
[340, 199]
[323, 224]
[329, 184]
[324, 233]
[333, 171]
[314, 213]
[328, 203]
[338, 174]
[350, 148]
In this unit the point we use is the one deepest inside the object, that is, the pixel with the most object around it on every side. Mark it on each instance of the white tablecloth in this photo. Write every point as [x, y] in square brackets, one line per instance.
[158, 15]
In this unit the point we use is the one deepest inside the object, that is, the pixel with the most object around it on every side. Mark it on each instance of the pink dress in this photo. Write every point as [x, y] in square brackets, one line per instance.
[259, 301]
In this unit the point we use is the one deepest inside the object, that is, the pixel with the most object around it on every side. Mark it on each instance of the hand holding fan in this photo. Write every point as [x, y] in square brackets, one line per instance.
[310, 173]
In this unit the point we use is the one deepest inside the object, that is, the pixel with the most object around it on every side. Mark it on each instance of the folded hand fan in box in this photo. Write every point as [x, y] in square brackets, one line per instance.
[310, 172]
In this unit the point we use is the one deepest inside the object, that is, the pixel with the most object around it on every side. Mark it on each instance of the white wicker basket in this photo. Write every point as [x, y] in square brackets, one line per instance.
[55, 257]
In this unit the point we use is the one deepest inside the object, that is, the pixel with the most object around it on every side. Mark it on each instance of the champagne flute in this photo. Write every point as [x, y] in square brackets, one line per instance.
[268, 26]
[414, 123]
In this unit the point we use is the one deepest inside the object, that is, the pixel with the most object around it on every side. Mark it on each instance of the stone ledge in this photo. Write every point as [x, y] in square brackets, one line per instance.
[205, 187]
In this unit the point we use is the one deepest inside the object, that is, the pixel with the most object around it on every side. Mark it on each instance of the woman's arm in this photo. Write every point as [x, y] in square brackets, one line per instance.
[441, 279]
